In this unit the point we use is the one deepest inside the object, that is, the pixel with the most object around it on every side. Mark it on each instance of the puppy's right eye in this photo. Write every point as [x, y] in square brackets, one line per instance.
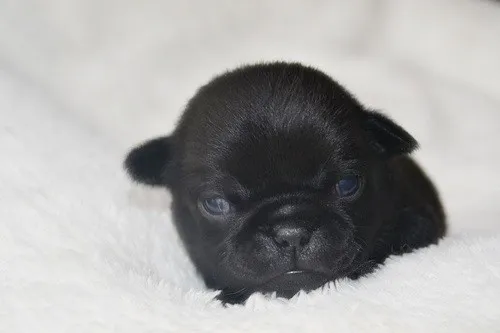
[216, 206]
[348, 186]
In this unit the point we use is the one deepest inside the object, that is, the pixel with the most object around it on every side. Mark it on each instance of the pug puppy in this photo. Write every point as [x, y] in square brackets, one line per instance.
[282, 181]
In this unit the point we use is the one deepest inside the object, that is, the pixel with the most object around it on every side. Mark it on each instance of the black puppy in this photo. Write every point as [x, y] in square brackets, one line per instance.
[282, 181]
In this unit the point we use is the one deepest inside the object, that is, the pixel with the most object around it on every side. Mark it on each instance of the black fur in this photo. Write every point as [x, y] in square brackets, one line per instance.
[274, 140]
[149, 163]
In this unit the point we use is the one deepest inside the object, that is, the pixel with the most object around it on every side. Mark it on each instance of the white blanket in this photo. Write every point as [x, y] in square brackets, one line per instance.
[84, 250]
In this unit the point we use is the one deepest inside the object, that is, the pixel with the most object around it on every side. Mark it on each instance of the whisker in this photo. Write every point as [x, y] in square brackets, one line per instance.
[237, 292]
[362, 241]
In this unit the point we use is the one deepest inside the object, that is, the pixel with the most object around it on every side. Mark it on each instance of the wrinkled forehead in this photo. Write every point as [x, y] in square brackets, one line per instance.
[256, 155]
[295, 157]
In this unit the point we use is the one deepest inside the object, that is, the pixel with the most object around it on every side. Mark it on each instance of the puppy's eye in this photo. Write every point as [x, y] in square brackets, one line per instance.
[216, 206]
[347, 186]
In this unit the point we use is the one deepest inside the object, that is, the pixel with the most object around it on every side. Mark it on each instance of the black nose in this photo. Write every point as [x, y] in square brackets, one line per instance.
[291, 236]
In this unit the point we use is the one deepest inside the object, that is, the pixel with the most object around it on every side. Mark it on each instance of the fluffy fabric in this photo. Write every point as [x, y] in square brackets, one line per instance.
[84, 250]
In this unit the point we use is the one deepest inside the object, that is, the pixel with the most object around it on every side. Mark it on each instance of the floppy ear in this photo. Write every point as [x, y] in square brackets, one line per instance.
[151, 162]
[387, 137]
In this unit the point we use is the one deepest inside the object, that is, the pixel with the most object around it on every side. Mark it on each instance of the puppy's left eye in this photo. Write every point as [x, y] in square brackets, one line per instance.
[348, 186]
[216, 206]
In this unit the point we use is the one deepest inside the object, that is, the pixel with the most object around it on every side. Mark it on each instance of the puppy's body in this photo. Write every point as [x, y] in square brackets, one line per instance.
[282, 181]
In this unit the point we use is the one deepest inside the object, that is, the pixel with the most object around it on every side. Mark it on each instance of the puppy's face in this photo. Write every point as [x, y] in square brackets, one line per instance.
[273, 170]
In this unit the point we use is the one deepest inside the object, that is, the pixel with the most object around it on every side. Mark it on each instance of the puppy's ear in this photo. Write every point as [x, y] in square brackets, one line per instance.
[387, 137]
[151, 162]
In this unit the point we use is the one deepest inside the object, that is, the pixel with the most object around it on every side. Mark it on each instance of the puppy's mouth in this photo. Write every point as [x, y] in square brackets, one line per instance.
[290, 283]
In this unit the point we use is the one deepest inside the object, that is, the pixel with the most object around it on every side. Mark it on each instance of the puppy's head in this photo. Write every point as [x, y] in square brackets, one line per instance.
[273, 170]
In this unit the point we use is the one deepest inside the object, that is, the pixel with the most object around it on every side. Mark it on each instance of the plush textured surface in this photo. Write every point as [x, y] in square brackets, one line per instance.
[84, 250]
